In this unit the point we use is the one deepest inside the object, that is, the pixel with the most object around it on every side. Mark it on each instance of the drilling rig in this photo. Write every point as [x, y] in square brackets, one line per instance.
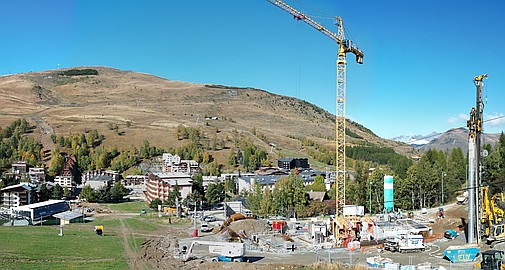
[344, 46]
[474, 163]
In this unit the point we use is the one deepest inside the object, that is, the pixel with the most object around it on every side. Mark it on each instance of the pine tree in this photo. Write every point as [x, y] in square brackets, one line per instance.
[44, 193]
[88, 194]
[117, 192]
[66, 193]
[214, 193]
[57, 192]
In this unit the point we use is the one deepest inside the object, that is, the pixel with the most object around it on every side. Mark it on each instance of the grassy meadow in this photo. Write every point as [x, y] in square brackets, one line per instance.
[40, 247]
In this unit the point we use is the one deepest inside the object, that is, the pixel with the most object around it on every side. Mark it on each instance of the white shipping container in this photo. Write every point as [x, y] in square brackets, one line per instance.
[354, 210]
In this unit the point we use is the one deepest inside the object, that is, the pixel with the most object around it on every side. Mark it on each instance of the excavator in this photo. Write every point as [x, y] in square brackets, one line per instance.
[491, 260]
[492, 220]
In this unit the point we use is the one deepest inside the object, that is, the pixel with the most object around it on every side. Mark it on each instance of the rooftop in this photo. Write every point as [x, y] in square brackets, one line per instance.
[18, 186]
[40, 204]
[68, 215]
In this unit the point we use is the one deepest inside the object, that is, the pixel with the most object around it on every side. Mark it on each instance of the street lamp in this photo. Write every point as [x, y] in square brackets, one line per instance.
[282, 203]
[443, 174]
[370, 201]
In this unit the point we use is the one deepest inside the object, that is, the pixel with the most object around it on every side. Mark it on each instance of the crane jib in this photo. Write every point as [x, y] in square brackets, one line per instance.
[346, 45]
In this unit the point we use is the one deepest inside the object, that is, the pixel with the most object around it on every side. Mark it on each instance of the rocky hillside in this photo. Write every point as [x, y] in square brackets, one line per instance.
[146, 107]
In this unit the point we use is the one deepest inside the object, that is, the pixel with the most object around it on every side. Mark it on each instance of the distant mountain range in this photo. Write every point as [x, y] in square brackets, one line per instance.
[453, 138]
[417, 140]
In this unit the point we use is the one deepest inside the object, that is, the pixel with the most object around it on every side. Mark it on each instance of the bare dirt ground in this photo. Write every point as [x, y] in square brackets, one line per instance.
[454, 216]
[157, 252]
[134, 260]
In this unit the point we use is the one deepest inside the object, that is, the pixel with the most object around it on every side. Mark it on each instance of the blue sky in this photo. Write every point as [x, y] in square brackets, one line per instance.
[420, 56]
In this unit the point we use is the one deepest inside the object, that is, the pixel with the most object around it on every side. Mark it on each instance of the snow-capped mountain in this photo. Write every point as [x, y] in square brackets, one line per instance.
[417, 140]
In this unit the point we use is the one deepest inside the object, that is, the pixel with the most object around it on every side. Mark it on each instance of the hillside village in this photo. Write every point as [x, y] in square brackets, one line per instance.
[307, 135]
[228, 178]
[169, 174]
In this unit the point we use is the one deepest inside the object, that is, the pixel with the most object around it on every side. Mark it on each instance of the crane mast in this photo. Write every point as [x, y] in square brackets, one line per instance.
[344, 46]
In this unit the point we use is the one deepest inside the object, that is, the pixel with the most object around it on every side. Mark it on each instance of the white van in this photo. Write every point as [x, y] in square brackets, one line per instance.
[405, 242]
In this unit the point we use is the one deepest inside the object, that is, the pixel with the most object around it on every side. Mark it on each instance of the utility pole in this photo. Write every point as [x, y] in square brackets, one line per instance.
[370, 200]
[195, 231]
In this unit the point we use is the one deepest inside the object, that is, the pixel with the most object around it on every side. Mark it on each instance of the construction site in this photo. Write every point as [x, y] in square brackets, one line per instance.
[463, 235]
[416, 240]
[427, 239]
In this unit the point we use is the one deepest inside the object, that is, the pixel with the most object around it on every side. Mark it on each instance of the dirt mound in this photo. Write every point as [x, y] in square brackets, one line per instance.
[159, 252]
[98, 208]
[454, 214]
[248, 227]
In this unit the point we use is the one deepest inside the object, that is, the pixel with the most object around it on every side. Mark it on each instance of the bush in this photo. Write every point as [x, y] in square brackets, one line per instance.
[79, 72]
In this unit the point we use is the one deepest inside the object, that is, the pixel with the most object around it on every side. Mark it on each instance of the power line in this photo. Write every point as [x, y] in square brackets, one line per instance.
[497, 183]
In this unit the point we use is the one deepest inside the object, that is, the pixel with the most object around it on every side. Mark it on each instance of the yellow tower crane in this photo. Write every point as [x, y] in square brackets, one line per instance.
[344, 46]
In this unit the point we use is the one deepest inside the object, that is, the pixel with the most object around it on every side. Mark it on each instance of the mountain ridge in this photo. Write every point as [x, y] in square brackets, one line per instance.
[149, 107]
[458, 137]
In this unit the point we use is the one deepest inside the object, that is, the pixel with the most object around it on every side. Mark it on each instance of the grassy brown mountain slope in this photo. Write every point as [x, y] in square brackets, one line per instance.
[146, 107]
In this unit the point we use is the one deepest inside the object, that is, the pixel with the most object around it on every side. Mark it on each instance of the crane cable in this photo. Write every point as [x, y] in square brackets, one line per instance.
[299, 57]
[312, 7]
[347, 32]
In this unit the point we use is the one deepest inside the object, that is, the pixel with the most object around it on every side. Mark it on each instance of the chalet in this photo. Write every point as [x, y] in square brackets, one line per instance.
[319, 196]
[247, 183]
[69, 174]
[207, 180]
[186, 166]
[112, 176]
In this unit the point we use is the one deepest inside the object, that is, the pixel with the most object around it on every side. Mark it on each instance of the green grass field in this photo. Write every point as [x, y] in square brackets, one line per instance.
[128, 207]
[40, 247]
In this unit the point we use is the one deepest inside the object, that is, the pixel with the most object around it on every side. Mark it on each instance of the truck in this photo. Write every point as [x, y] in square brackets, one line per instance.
[405, 243]
[227, 251]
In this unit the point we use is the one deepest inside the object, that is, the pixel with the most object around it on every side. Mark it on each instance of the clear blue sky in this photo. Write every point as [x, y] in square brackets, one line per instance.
[420, 56]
